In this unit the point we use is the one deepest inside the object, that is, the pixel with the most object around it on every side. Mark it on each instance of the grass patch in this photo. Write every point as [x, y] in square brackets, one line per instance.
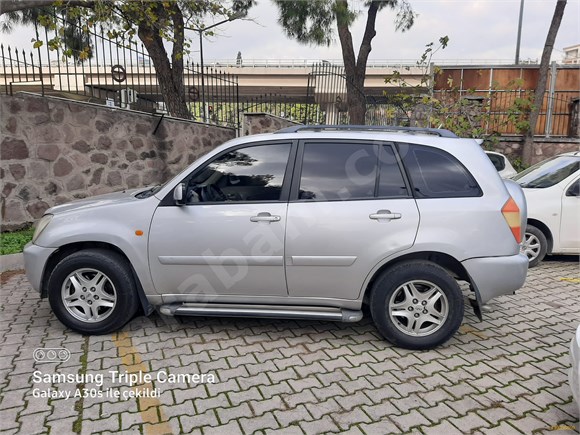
[13, 243]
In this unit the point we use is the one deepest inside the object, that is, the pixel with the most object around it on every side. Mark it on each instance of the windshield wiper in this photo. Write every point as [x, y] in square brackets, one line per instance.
[147, 193]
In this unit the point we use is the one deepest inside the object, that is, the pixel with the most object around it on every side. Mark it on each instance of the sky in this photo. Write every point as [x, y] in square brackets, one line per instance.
[477, 30]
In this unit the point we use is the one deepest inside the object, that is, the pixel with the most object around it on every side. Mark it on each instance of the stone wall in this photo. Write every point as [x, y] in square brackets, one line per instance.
[543, 147]
[256, 123]
[53, 151]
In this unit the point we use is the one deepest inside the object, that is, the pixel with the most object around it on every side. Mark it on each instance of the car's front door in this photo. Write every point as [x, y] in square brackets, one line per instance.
[350, 208]
[228, 237]
[570, 224]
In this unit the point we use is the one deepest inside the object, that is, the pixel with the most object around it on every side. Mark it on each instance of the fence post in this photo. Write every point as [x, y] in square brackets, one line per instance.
[551, 90]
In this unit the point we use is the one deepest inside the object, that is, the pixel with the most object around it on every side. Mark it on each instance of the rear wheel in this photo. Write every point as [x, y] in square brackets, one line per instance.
[93, 292]
[417, 305]
[535, 245]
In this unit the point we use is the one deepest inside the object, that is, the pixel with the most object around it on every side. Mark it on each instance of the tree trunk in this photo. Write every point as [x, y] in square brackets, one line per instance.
[528, 149]
[169, 75]
[355, 69]
[355, 101]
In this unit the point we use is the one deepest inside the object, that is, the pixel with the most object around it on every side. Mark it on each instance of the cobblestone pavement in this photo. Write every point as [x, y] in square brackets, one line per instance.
[507, 374]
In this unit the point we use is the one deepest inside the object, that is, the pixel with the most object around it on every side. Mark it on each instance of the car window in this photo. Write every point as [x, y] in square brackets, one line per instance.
[497, 161]
[574, 189]
[549, 172]
[338, 171]
[435, 173]
[246, 174]
[391, 182]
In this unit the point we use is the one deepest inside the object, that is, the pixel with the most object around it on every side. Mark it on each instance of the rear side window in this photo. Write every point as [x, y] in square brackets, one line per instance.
[497, 161]
[391, 182]
[435, 173]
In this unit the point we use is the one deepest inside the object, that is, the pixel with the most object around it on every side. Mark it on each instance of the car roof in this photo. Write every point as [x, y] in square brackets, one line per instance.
[439, 132]
[571, 153]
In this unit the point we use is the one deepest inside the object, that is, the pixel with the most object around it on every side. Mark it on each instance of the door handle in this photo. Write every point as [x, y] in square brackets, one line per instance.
[385, 214]
[265, 217]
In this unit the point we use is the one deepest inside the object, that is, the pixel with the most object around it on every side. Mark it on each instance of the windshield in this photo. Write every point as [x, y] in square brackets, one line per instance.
[549, 172]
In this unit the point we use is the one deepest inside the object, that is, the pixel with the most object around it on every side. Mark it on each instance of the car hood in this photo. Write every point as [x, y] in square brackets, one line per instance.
[96, 201]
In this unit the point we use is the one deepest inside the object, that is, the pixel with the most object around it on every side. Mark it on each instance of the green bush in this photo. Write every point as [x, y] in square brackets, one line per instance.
[12, 243]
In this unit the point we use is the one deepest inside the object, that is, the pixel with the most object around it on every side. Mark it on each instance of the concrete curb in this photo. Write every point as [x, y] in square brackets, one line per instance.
[11, 262]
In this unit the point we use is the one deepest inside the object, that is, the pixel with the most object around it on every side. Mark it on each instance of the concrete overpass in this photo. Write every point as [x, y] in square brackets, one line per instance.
[295, 81]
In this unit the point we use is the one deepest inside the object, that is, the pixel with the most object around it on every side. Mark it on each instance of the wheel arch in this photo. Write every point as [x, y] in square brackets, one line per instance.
[544, 229]
[66, 250]
[446, 261]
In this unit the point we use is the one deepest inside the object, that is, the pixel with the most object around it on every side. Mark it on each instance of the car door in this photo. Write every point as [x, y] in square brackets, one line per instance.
[350, 208]
[228, 236]
[570, 219]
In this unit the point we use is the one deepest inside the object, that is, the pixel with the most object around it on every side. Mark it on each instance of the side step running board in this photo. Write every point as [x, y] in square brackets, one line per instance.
[264, 311]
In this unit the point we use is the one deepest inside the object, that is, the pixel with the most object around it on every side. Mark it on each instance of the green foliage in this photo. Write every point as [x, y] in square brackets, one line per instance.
[519, 164]
[312, 21]
[12, 243]
[467, 113]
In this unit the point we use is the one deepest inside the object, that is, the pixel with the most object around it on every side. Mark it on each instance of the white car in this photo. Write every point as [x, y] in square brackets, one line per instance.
[552, 190]
[502, 164]
[575, 369]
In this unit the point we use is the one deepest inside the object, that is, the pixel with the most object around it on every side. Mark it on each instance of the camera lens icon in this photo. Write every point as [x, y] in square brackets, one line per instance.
[51, 355]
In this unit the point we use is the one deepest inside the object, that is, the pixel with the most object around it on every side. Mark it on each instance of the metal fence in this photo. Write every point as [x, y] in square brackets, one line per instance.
[108, 69]
[116, 72]
[501, 110]
[283, 106]
[496, 111]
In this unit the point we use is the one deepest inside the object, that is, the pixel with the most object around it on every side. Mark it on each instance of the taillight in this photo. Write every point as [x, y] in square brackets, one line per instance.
[511, 214]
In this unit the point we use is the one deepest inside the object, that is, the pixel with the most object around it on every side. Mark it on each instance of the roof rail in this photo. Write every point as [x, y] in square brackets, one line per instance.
[386, 128]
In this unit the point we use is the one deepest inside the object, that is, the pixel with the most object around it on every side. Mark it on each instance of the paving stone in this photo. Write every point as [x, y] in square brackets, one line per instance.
[201, 420]
[507, 374]
[325, 424]
[34, 424]
[319, 409]
[442, 428]
[232, 428]
[255, 424]
[410, 420]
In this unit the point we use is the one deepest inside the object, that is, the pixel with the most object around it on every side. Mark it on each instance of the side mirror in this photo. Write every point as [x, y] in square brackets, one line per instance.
[179, 194]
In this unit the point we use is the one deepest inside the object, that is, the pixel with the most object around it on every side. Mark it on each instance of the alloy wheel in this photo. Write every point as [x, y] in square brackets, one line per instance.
[89, 295]
[418, 308]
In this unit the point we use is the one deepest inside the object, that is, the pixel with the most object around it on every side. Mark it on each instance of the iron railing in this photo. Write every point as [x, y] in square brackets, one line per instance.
[283, 106]
[117, 72]
[109, 69]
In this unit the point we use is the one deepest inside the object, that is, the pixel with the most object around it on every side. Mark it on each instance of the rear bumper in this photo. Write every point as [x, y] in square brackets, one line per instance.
[574, 376]
[35, 258]
[496, 276]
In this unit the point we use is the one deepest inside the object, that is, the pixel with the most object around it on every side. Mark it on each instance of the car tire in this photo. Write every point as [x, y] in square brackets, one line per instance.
[535, 245]
[417, 305]
[93, 291]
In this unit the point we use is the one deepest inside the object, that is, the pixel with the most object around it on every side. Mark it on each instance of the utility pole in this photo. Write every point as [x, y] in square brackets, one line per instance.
[519, 32]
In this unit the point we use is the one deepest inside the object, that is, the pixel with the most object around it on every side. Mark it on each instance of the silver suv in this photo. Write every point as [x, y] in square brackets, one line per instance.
[308, 223]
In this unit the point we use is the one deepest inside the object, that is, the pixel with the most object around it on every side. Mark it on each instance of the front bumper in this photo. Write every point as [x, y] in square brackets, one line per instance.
[35, 258]
[496, 276]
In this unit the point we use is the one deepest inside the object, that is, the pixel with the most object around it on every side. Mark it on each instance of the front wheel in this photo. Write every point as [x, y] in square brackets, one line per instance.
[535, 245]
[93, 292]
[417, 305]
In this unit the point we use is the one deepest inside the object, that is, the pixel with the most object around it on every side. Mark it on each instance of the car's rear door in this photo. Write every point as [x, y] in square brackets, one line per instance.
[350, 207]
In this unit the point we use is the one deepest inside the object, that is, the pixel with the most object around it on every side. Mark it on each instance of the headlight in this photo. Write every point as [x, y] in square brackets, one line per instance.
[41, 225]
